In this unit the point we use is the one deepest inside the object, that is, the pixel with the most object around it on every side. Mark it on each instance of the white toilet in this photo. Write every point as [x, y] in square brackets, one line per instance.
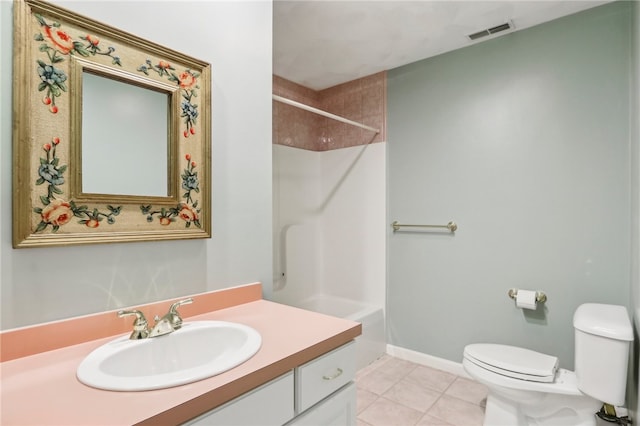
[527, 388]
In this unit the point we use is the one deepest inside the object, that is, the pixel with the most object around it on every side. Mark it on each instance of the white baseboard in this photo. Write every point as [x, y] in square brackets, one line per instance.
[427, 360]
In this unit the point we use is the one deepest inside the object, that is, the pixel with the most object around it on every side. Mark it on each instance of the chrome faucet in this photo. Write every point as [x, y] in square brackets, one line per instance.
[169, 323]
[140, 325]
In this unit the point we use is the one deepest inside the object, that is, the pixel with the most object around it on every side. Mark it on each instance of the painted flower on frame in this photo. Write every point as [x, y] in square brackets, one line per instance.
[190, 179]
[190, 114]
[92, 223]
[50, 170]
[187, 213]
[189, 110]
[93, 40]
[162, 68]
[59, 38]
[165, 65]
[188, 210]
[57, 213]
[188, 83]
[53, 81]
[165, 216]
[92, 48]
[51, 77]
[50, 174]
[187, 80]
[56, 43]
[190, 183]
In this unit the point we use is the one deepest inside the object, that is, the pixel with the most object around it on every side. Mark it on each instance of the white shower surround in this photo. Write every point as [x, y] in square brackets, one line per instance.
[329, 225]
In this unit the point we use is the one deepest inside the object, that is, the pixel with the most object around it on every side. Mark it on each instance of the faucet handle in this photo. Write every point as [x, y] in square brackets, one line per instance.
[140, 325]
[174, 316]
[175, 306]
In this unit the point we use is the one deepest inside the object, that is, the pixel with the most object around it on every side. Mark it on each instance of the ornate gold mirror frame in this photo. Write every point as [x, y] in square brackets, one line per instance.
[53, 49]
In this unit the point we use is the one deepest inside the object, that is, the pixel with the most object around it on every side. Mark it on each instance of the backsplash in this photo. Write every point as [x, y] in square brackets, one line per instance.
[362, 100]
[31, 340]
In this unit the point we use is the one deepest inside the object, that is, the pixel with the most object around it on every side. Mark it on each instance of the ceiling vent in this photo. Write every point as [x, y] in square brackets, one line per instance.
[490, 31]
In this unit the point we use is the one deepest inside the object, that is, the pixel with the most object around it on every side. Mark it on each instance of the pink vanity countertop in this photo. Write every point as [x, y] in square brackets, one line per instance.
[42, 389]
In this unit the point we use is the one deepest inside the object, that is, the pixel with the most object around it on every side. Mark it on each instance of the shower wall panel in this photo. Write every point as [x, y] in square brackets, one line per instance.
[329, 224]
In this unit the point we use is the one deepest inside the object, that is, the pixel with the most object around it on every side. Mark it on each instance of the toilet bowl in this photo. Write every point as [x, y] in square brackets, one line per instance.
[527, 388]
[551, 398]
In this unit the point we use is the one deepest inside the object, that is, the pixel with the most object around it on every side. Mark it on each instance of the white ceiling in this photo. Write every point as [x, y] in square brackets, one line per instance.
[321, 43]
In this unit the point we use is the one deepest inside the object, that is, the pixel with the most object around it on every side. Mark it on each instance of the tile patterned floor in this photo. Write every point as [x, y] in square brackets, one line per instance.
[395, 392]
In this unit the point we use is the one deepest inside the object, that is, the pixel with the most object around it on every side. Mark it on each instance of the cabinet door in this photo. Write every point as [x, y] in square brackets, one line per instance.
[269, 405]
[339, 409]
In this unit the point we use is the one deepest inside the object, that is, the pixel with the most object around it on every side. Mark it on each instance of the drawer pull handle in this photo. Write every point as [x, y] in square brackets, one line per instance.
[335, 375]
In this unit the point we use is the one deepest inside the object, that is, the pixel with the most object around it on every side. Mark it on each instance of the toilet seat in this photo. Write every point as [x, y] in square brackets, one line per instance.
[513, 362]
[565, 382]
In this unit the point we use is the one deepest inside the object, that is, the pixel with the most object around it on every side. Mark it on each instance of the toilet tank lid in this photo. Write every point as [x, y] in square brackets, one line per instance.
[610, 321]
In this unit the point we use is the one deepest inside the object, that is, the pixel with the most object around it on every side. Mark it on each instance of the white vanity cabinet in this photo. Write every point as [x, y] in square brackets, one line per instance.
[320, 392]
[339, 409]
[270, 405]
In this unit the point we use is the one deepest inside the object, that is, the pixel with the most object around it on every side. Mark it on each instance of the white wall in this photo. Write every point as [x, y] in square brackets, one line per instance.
[235, 37]
[331, 206]
[524, 141]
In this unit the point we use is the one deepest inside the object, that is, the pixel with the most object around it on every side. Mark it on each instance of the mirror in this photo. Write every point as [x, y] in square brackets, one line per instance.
[139, 144]
[112, 137]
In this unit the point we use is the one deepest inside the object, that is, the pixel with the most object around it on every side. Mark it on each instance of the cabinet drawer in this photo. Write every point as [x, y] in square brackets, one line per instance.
[337, 410]
[324, 375]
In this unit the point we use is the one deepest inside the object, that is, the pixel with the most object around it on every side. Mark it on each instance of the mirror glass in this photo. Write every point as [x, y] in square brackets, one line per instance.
[124, 138]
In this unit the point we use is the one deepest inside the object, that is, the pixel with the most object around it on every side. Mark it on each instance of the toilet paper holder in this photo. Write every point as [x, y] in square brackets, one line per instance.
[540, 296]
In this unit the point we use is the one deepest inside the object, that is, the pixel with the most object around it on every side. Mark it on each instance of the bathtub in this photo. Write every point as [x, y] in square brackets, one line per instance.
[372, 344]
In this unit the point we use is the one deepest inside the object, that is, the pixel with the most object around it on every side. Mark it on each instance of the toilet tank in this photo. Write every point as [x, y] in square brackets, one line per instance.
[602, 338]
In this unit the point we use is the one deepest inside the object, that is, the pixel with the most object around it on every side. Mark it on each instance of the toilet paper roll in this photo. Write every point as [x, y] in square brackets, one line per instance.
[526, 299]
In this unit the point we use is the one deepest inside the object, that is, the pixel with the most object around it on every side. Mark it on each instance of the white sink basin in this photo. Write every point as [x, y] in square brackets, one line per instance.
[196, 351]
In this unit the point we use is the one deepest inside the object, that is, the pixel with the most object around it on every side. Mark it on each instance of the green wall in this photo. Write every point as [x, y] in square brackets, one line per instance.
[634, 395]
[523, 141]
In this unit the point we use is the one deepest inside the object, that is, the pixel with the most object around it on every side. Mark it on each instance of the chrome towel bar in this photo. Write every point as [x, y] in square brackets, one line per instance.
[451, 226]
